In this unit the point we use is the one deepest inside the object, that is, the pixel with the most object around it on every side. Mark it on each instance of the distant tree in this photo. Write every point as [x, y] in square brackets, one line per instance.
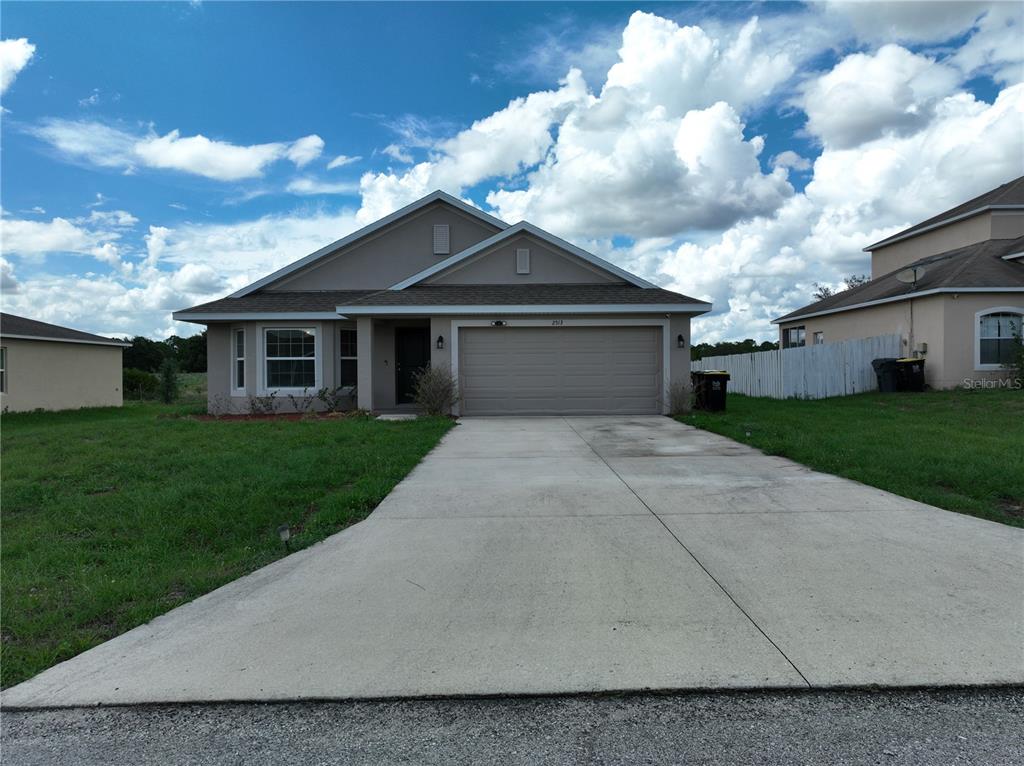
[727, 348]
[821, 292]
[190, 353]
[824, 291]
[145, 354]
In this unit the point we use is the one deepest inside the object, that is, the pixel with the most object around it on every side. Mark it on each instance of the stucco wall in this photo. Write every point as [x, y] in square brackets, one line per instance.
[1007, 224]
[547, 266]
[960, 322]
[887, 259]
[392, 254]
[60, 376]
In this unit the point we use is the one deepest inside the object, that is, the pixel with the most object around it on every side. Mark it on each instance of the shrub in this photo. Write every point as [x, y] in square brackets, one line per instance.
[264, 405]
[337, 399]
[678, 398]
[435, 390]
[138, 384]
[168, 387]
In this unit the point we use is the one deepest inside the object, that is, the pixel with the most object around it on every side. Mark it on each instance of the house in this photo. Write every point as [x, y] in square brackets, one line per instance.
[49, 367]
[952, 286]
[526, 322]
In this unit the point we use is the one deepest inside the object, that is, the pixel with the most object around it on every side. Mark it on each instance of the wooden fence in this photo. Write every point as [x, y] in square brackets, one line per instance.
[810, 372]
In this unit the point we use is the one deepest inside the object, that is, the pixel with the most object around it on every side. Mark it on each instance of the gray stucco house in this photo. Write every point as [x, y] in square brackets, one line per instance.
[528, 323]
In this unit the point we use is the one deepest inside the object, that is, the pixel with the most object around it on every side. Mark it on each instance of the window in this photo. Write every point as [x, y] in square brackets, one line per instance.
[794, 337]
[442, 240]
[3, 370]
[238, 358]
[819, 338]
[349, 360]
[291, 358]
[998, 334]
[523, 260]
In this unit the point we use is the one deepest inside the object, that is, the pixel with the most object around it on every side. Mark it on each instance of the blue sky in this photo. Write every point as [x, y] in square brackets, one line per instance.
[158, 154]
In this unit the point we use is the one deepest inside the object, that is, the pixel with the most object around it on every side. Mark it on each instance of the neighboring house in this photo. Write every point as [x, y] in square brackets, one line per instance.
[526, 322]
[951, 286]
[45, 366]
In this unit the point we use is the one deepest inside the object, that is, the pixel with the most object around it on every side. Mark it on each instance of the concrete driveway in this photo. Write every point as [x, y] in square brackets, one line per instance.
[547, 555]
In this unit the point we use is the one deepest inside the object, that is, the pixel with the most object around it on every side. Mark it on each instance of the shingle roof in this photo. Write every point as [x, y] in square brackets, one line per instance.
[12, 325]
[974, 266]
[295, 301]
[526, 295]
[439, 295]
[1009, 194]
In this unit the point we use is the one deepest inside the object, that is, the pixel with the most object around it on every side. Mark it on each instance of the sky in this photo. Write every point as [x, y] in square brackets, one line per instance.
[154, 156]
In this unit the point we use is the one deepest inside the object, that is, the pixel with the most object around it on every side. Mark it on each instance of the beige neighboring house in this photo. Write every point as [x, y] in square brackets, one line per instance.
[526, 322]
[951, 286]
[49, 367]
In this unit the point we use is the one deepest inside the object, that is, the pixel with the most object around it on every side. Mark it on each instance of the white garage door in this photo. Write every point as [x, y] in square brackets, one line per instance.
[560, 370]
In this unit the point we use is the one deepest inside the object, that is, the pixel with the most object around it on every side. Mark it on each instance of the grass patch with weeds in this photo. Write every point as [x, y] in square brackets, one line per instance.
[114, 516]
[960, 450]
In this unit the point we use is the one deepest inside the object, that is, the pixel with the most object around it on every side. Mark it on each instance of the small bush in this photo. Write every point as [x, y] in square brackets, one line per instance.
[678, 398]
[138, 384]
[168, 386]
[337, 399]
[436, 391]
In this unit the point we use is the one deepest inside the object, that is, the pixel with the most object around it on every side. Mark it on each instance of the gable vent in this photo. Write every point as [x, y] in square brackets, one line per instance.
[522, 260]
[442, 239]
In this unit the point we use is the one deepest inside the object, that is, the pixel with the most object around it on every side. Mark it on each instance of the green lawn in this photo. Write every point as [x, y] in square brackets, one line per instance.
[960, 450]
[114, 516]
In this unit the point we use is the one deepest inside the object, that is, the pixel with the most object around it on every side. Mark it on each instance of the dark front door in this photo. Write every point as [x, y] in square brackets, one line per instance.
[412, 354]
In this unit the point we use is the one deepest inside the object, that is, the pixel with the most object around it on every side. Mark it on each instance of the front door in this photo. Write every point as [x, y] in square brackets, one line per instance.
[412, 354]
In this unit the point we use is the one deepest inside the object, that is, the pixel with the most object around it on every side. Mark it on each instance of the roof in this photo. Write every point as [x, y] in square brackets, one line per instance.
[436, 196]
[977, 267]
[13, 326]
[444, 299]
[1008, 196]
[522, 227]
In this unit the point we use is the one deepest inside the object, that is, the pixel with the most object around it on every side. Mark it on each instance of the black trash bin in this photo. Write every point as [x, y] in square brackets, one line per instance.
[910, 374]
[885, 370]
[710, 389]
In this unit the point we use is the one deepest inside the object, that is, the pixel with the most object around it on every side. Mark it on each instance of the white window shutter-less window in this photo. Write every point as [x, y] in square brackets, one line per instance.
[442, 239]
[522, 260]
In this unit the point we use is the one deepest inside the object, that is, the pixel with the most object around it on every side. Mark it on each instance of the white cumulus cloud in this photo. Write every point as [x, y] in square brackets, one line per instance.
[14, 56]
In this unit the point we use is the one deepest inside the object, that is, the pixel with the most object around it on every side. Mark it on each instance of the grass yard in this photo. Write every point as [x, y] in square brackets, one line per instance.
[959, 450]
[114, 516]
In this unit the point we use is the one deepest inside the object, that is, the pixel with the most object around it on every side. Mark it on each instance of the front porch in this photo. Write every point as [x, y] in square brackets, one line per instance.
[390, 351]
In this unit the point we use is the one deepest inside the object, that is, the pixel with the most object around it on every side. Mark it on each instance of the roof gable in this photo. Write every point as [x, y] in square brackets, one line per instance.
[375, 228]
[503, 237]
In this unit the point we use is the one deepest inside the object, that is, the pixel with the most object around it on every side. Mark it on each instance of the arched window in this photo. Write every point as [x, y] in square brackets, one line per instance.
[997, 334]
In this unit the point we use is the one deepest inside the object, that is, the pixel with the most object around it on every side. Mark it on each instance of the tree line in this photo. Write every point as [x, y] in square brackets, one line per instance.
[188, 354]
[729, 347]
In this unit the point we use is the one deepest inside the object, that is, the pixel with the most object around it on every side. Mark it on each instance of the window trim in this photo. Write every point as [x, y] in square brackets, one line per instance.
[817, 338]
[343, 358]
[261, 354]
[978, 366]
[3, 369]
[237, 390]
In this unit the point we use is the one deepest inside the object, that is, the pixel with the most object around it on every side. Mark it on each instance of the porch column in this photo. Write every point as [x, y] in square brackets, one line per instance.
[364, 358]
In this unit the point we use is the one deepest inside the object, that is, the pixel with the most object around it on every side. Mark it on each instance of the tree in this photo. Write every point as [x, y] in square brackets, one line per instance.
[821, 292]
[727, 348]
[190, 353]
[168, 386]
[145, 354]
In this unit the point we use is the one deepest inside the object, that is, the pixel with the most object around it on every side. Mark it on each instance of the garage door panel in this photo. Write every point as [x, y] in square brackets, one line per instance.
[560, 370]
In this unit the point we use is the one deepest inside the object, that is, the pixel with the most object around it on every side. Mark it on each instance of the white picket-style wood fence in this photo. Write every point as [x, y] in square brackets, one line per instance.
[810, 372]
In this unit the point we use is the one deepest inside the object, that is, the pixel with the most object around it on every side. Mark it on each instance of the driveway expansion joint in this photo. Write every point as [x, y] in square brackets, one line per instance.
[691, 554]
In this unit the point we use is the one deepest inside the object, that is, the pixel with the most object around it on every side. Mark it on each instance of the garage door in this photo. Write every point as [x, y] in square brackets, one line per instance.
[560, 370]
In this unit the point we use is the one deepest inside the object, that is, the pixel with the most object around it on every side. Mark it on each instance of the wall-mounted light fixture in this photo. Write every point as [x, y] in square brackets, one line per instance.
[440, 341]
[680, 341]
